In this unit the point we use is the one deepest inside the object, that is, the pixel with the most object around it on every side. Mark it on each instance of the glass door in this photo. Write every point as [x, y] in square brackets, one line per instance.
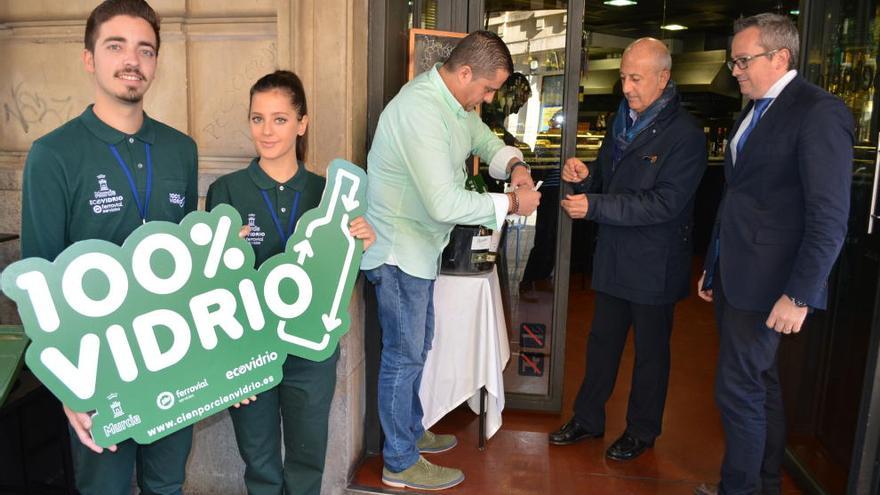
[529, 113]
[828, 371]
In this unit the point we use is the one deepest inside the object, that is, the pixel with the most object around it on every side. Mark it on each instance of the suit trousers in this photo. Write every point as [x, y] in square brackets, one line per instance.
[652, 326]
[749, 398]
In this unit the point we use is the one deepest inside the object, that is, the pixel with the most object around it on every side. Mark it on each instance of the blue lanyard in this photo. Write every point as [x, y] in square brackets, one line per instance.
[142, 207]
[277, 221]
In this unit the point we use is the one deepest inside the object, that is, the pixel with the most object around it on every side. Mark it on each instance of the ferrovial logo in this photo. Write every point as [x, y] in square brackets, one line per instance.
[165, 400]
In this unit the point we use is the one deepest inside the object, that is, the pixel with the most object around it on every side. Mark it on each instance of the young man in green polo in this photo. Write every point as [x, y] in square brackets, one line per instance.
[100, 176]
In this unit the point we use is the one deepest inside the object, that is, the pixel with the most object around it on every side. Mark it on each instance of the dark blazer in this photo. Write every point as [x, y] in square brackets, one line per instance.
[644, 207]
[782, 219]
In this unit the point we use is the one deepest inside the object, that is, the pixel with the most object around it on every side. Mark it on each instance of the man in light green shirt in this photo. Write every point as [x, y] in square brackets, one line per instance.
[416, 170]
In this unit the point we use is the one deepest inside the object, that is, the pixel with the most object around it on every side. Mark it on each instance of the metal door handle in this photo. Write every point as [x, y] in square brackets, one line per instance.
[871, 215]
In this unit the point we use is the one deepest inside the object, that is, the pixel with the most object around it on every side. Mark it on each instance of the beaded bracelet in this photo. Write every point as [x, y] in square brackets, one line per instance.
[514, 200]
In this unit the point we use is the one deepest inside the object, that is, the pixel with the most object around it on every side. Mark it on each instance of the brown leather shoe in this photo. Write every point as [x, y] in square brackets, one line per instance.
[706, 489]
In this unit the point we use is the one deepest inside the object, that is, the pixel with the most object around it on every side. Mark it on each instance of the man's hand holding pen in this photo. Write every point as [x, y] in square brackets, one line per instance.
[524, 198]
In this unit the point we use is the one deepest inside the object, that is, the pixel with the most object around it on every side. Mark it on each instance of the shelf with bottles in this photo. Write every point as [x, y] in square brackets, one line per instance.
[716, 140]
[849, 68]
[851, 74]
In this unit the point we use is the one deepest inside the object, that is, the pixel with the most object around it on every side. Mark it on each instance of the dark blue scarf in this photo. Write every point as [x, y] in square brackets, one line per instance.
[624, 134]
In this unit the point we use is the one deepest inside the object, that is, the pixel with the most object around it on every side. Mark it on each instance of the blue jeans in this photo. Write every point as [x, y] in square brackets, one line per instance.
[406, 314]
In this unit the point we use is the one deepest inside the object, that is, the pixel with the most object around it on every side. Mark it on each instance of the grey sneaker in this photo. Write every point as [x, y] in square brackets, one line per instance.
[423, 476]
[434, 444]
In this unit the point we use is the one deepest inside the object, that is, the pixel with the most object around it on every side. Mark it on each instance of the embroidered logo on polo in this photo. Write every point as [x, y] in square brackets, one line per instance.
[256, 236]
[177, 199]
[106, 200]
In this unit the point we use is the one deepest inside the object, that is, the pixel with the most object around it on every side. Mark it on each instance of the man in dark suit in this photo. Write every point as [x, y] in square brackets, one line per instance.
[779, 228]
[640, 190]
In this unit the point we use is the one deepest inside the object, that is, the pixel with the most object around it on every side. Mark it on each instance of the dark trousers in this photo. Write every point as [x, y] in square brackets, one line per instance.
[161, 466]
[652, 326]
[302, 405]
[750, 399]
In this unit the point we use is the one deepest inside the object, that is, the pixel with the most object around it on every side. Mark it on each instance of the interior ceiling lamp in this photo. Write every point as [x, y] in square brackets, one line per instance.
[673, 27]
[620, 3]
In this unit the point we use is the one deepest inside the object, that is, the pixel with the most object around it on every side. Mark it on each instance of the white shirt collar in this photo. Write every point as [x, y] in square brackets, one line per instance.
[779, 85]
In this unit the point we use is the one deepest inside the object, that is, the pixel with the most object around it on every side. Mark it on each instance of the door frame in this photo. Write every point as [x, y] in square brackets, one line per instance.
[864, 473]
[467, 16]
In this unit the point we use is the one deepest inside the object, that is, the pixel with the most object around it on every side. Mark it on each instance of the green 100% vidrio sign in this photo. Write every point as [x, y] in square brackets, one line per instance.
[176, 324]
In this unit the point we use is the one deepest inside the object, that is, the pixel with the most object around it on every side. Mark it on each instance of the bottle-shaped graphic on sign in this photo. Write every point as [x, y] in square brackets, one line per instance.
[313, 311]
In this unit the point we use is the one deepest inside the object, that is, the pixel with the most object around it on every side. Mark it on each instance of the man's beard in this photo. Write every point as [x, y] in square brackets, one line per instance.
[131, 96]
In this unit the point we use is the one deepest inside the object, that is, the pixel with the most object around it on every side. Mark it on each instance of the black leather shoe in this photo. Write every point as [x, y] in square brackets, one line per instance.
[627, 447]
[572, 432]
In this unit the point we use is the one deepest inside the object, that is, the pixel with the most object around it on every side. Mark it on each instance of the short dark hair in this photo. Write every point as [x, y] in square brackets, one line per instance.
[777, 32]
[288, 82]
[112, 8]
[483, 51]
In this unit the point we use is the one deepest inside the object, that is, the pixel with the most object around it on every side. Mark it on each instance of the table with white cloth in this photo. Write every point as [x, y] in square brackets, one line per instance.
[469, 351]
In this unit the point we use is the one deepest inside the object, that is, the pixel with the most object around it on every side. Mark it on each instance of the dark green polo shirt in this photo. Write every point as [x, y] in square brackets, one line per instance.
[244, 191]
[74, 187]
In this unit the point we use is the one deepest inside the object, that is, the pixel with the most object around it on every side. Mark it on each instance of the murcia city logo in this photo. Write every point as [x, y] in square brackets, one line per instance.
[115, 405]
[256, 235]
[106, 200]
[120, 421]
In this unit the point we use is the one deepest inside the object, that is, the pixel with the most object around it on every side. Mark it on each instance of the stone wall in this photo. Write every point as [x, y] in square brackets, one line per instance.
[212, 51]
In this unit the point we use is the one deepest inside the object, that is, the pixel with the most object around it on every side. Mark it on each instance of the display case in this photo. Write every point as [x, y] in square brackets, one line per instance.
[829, 370]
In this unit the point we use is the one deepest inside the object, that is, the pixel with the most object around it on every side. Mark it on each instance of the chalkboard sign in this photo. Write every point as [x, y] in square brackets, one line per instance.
[428, 47]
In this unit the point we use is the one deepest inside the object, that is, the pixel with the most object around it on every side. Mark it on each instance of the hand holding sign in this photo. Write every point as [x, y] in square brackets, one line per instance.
[177, 320]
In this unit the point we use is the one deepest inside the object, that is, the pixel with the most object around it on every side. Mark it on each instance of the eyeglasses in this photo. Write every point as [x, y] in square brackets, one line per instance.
[743, 62]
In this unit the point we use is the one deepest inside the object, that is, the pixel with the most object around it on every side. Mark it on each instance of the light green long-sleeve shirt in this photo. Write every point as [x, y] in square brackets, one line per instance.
[416, 171]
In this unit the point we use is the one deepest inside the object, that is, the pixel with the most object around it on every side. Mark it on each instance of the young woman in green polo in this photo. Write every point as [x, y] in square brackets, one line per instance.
[271, 194]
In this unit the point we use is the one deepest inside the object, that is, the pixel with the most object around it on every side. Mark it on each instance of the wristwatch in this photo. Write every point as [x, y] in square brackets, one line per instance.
[798, 302]
[519, 164]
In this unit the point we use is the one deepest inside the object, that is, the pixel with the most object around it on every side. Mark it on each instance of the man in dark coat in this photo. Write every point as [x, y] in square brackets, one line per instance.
[640, 190]
[779, 228]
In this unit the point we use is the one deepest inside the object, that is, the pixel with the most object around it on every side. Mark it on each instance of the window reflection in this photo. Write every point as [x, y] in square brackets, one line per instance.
[527, 113]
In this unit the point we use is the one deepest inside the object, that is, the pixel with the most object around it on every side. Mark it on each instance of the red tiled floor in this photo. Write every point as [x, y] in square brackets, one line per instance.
[519, 460]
